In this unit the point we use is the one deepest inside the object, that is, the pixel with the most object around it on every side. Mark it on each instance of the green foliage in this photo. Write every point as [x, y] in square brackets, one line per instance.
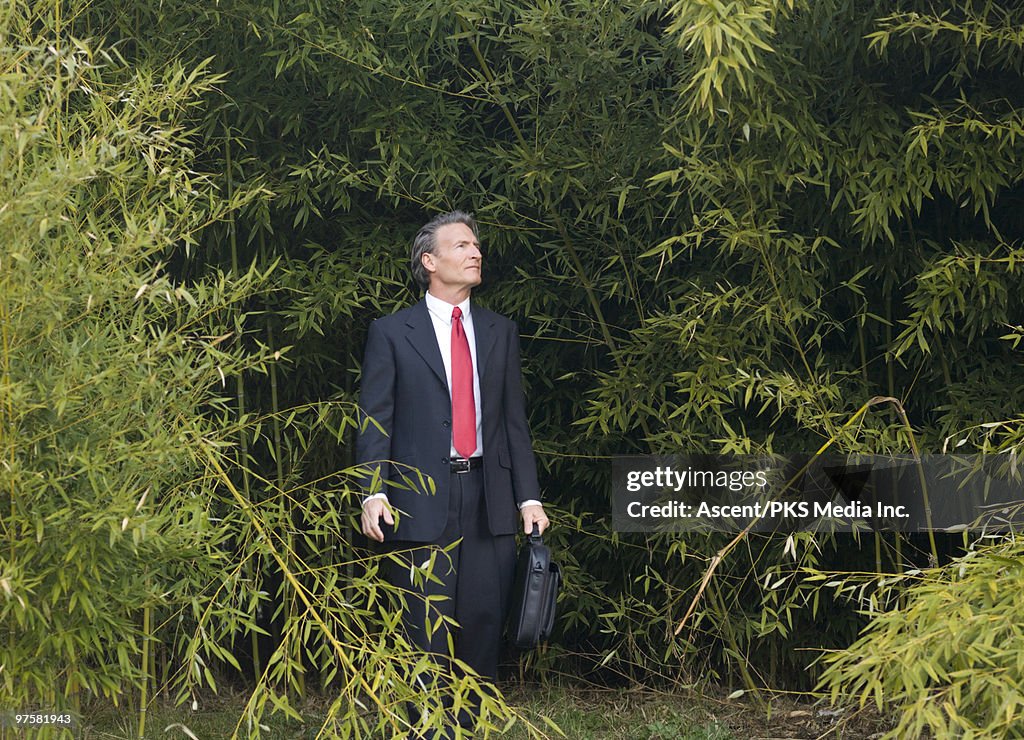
[721, 226]
[130, 554]
[112, 371]
[947, 660]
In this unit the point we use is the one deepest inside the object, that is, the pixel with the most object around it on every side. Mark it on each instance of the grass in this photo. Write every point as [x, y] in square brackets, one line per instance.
[614, 714]
[582, 714]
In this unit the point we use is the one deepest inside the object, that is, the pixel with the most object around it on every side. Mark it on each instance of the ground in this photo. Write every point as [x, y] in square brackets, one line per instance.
[582, 712]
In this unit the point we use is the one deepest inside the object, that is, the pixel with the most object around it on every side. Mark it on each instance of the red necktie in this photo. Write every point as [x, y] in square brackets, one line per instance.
[463, 403]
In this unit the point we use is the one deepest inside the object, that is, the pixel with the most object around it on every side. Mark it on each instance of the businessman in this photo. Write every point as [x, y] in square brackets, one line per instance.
[450, 445]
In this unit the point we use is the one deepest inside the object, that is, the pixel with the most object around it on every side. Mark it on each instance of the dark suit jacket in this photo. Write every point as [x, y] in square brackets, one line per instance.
[404, 390]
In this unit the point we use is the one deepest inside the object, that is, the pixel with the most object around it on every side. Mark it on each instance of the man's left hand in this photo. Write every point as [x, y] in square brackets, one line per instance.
[534, 514]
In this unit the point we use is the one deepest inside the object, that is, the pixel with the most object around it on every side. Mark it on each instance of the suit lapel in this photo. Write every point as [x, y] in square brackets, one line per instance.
[421, 336]
[483, 327]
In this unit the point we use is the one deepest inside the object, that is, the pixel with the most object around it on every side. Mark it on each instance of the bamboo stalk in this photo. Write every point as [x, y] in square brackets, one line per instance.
[862, 342]
[891, 385]
[240, 380]
[147, 616]
[730, 638]
[292, 612]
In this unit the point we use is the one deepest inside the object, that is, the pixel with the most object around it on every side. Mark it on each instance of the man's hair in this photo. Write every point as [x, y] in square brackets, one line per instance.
[426, 241]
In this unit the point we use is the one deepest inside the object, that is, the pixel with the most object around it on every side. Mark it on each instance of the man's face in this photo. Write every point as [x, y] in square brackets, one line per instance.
[456, 262]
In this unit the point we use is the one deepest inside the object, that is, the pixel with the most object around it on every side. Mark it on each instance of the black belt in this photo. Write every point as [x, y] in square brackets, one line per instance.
[464, 465]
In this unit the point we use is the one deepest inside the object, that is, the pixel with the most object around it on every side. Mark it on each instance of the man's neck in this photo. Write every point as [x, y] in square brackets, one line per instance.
[452, 296]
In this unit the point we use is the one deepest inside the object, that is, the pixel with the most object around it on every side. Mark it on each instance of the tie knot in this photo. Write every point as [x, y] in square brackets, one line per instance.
[456, 313]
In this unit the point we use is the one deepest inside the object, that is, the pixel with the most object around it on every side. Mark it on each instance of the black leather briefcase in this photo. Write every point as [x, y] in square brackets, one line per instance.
[538, 579]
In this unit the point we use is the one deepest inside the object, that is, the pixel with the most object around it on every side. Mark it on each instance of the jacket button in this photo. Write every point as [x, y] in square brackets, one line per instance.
[446, 423]
[444, 460]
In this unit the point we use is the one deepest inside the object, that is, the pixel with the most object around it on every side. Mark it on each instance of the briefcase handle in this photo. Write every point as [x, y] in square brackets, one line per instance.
[535, 534]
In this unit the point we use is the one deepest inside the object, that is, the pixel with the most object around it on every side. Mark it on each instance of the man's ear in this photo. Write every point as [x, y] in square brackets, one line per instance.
[427, 260]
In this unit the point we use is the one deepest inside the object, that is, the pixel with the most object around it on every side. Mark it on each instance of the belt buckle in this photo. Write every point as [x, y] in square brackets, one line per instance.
[460, 465]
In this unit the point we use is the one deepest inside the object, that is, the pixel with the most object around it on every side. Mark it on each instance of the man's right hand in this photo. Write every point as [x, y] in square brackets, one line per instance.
[373, 510]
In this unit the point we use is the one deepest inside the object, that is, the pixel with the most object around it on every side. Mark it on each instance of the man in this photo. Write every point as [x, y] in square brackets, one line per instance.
[441, 385]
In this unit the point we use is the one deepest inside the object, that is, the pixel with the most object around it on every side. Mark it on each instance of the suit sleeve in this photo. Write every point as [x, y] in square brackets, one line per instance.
[524, 465]
[376, 403]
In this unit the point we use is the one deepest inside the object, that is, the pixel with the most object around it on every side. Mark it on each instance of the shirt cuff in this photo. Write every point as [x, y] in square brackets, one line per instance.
[368, 499]
[528, 502]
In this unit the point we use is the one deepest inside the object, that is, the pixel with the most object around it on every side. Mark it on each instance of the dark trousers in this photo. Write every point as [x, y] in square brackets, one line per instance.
[474, 577]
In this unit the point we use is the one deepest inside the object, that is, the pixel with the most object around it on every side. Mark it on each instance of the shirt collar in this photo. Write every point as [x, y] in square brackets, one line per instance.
[443, 309]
